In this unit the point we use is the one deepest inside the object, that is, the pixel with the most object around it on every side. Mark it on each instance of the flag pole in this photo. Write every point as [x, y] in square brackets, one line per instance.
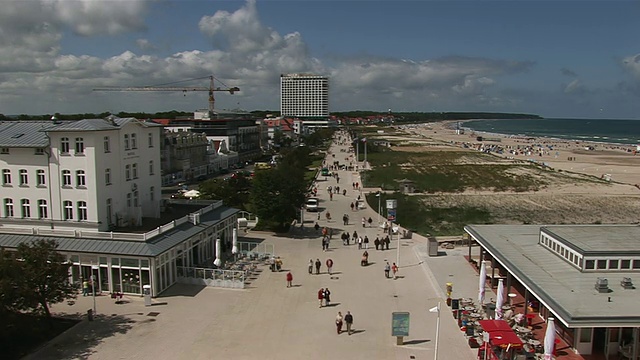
[435, 356]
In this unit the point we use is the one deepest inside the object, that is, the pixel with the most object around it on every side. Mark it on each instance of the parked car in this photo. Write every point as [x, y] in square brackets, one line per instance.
[312, 204]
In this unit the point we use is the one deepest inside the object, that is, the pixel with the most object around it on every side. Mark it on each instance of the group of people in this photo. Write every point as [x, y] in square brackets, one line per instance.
[348, 319]
[324, 295]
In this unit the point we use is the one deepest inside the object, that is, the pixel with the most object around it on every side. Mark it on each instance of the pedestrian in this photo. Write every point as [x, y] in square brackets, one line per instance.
[316, 226]
[329, 264]
[289, 279]
[387, 241]
[352, 206]
[370, 221]
[318, 217]
[353, 185]
[320, 296]
[85, 287]
[344, 219]
[366, 242]
[394, 269]
[318, 264]
[364, 222]
[357, 185]
[376, 242]
[387, 269]
[344, 192]
[327, 297]
[330, 196]
[339, 322]
[360, 243]
[348, 318]
[310, 266]
[355, 236]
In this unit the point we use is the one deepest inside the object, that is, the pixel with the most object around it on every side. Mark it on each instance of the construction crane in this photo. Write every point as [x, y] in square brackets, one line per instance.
[211, 89]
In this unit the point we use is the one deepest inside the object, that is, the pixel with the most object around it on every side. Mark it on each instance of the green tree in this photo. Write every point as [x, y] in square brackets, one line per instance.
[233, 192]
[43, 276]
[277, 195]
[9, 275]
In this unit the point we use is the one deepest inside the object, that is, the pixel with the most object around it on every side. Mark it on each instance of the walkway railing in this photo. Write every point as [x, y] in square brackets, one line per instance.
[251, 219]
[211, 277]
[255, 250]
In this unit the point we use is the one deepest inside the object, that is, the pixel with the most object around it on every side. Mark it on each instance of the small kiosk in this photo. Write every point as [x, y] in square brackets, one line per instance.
[502, 343]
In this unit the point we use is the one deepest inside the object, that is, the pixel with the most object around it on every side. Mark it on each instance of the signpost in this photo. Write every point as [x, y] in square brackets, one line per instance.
[399, 326]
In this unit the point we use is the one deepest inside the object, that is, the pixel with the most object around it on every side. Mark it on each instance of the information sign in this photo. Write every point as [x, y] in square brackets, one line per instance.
[391, 214]
[400, 324]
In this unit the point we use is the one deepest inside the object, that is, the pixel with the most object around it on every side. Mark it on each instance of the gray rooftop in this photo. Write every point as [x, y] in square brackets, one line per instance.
[150, 248]
[568, 292]
[588, 239]
[19, 133]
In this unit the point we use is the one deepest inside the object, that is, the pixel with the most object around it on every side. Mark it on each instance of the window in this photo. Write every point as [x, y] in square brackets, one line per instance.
[80, 178]
[82, 211]
[109, 210]
[590, 264]
[135, 198]
[24, 177]
[42, 209]
[585, 333]
[107, 145]
[26, 208]
[8, 208]
[613, 264]
[150, 140]
[151, 167]
[128, 199]
[64, 145]
[68, 210]
[126, 141]
[66, 177]
[134, 141]
[134, 167]
[151, 191]
[127, 172]
[79, 145]
[636, 264]
[40, 177]
[107, 176]
[6, 177]
[4, 150]
[40, 151]
[602, 264]
[625, 264]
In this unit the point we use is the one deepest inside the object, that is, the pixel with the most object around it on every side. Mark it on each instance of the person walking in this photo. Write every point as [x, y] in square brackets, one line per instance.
[329, 264]
[85, 287]
[310, 266]
[348, 319]
[394, 269]
[352, 206]
[289, 279]
[364, 222]
[318, 264]
[376, 242]
[316, 226]
[344, 219]
[366, 242]
[387, 241]
[339, 323]
[327, 297]
[320, 296]
[387, 269]
[370, 221]
[360, 243]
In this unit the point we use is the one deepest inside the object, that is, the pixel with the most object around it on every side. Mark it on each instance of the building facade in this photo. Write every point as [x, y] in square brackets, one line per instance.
[95, 173]
[184, 156]
[304, 96]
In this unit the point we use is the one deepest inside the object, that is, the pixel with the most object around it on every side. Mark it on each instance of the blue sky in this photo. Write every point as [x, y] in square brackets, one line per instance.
[553, 58]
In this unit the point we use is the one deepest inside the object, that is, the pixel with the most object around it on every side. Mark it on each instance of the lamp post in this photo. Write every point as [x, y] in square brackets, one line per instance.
[392, 205]
[379, 196]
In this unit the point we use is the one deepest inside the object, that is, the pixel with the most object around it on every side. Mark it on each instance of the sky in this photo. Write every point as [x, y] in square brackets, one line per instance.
[562, 58]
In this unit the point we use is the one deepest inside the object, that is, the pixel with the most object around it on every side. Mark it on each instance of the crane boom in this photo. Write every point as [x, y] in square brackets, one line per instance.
[184, 89]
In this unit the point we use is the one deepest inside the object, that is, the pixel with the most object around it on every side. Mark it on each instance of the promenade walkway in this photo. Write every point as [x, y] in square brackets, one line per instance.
[270, 321]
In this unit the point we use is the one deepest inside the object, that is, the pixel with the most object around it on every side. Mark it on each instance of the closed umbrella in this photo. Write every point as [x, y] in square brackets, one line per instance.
[549, 339]
[217, 261]
[191, 194]
[481, 285]
[234, 249]
[499, 300]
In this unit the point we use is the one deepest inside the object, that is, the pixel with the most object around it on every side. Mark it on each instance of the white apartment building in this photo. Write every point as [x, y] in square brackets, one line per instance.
[304, 95]
[91, 174]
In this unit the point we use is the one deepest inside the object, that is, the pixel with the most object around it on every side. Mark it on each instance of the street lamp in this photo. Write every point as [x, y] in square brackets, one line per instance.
[392, 205]
[379, 196]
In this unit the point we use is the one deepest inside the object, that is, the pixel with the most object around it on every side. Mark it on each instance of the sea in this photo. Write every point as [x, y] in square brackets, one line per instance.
[625, 132]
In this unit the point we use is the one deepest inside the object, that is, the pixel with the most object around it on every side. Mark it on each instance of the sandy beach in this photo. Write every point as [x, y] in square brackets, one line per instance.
[588, 182]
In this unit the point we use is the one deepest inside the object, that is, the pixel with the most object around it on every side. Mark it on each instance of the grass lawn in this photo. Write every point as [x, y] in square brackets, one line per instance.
[23, 333]
[414, 215]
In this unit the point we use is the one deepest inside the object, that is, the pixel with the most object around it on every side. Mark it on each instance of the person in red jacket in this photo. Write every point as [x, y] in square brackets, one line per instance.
[289, 279]
[320, 296]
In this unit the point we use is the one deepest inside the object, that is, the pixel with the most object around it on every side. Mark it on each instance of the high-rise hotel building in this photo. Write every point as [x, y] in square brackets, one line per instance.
[304, 95]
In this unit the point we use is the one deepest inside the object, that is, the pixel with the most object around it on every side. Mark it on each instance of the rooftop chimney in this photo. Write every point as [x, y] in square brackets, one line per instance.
[602, 285]
[626, 283]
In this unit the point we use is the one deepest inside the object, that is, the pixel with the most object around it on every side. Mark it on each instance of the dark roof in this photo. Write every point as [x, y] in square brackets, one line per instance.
[110, 123]
[24, 133]
[150, 248]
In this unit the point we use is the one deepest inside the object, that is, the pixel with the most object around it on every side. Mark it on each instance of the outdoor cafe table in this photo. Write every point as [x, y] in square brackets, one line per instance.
[534, 342]
[475, 315]
[469, 308]
[523, 330]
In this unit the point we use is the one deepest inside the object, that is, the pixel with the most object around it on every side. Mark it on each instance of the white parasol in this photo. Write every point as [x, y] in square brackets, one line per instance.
[549, 339]
[499, 300]
[191, 194]
[482, 282]
[217, 261]
[234, 249]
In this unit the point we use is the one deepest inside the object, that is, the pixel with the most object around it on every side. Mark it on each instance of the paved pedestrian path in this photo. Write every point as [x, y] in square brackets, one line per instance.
[270, 321]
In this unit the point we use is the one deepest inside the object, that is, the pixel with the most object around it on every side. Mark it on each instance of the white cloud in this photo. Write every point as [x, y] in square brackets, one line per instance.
[632, 64]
